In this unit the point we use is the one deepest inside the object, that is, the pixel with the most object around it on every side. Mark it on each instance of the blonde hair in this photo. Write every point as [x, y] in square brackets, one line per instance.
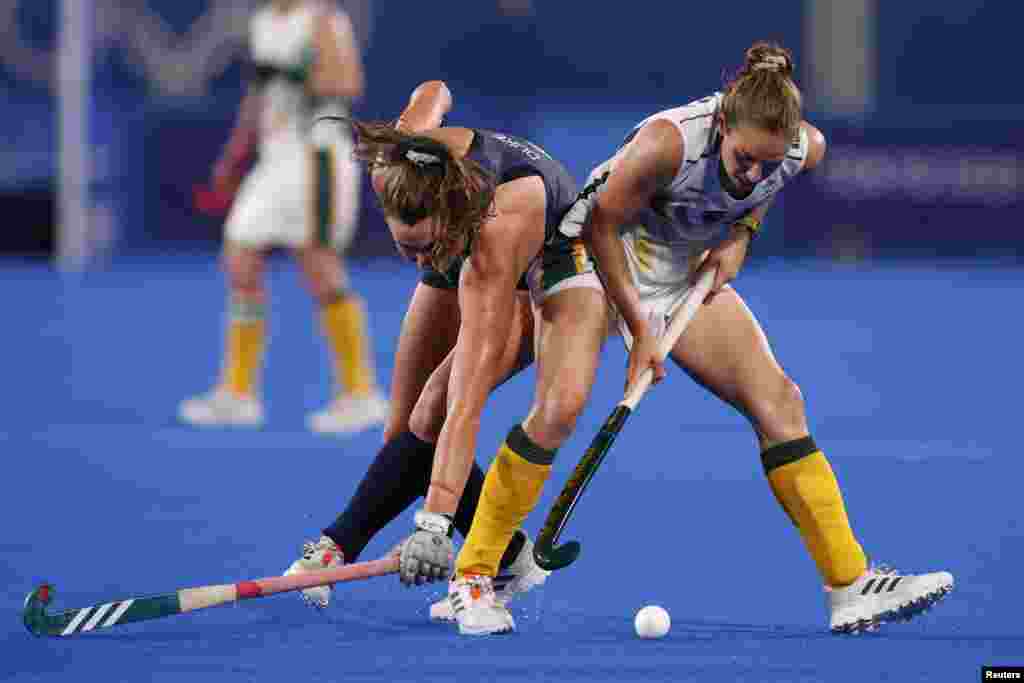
[762, 93]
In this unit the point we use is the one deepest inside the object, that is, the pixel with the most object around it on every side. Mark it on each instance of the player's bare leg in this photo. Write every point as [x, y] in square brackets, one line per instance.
[571, 328]
[235, 400]
[518, 573]
[401, 471]
[429, 330]
[726, 350]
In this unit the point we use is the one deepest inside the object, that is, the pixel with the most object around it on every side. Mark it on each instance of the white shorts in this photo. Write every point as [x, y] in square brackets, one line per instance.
[306, 196]
[661, 273]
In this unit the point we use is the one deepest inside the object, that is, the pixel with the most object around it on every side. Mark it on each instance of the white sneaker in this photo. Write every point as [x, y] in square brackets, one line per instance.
[476, 609]
[317, 555]
[881, 595]
[349, 414]
[519, 577]
[221, 407]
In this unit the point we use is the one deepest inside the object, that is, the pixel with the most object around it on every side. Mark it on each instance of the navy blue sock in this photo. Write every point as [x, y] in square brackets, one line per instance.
[469, 500]
[397, 477]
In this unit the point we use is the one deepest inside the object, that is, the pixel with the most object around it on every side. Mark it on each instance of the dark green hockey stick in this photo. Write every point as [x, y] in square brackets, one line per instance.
[544, 551]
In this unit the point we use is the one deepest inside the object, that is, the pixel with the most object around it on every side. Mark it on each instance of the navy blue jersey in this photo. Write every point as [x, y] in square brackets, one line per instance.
[509, 158]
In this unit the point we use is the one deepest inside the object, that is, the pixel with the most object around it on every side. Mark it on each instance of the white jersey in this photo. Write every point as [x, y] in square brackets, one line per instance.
[667, 239]
[305, 188]
[695, 206]
[285, 41]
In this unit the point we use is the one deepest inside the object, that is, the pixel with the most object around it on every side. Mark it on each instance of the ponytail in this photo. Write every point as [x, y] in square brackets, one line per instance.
[762, 93]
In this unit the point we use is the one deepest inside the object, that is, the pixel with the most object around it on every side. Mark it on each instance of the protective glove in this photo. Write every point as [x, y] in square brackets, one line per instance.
[428, 555]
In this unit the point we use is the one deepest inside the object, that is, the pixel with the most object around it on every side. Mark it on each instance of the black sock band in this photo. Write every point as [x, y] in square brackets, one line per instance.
[785, 453]
[521, 445]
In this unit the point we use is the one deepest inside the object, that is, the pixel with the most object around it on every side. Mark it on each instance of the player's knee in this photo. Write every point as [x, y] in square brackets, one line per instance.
[558, 411]
[323, 288]
[325, 295]
[324, 277]
[398, 422]
[779, 410]
[428, 415]
[393, 429]
[244, 273]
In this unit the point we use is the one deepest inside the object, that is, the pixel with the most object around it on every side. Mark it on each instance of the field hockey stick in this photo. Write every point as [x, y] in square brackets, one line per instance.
[544, 551]
[104, 615]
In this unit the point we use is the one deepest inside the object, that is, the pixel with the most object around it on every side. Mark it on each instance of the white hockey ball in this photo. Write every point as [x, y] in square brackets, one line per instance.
[652, 621]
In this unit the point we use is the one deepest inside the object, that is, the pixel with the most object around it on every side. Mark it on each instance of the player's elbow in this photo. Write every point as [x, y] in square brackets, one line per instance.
[816, 146]
[435, 91]
[434, 88]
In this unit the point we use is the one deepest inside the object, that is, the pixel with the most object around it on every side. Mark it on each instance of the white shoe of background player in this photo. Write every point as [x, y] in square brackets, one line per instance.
[519, 577]
[881, 595]
[221, 407]
[476, 609]
[317, 555]
[348, 414]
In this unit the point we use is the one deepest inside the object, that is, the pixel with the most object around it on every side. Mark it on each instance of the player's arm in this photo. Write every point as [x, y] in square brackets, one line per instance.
[428, 104]
[647, 164]
[338, 69]
[501, 252]
[243, 140]
[728, 256]
[427, 107]
[815, 146]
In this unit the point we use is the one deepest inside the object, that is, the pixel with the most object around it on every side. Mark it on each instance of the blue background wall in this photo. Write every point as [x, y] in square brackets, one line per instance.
[940, 149]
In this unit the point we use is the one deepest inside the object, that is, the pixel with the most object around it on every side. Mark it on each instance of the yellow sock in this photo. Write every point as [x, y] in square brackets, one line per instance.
[344, 323]
[806, 487]
[243, 347]
[511, 489]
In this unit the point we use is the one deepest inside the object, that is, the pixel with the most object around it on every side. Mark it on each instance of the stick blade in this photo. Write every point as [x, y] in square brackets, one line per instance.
[553, 559]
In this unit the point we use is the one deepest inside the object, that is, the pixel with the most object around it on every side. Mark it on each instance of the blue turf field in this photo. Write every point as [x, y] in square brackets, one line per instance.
[912, 377]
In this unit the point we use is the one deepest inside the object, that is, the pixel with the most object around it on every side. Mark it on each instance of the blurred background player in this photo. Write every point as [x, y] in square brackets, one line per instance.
[302, 194]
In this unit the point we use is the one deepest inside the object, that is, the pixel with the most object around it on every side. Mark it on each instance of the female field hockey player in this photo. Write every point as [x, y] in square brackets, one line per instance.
[452, 198]
[687, 192]
[303, 194]
[488, 205]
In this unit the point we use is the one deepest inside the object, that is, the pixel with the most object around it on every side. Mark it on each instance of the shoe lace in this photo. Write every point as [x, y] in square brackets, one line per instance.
[310, 548]
[884, 569]
[483, 584]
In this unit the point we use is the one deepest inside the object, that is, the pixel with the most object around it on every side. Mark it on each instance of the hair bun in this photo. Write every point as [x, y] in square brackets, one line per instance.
[769, 56]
